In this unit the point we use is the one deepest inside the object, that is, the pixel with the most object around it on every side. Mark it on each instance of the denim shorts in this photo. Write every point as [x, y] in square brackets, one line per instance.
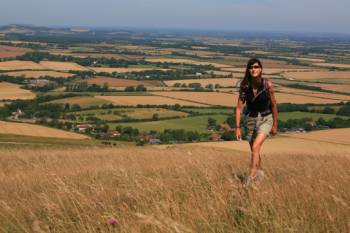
[259, 124]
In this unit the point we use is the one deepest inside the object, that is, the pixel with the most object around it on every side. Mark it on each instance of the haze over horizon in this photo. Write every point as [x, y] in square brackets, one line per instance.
[248, 15]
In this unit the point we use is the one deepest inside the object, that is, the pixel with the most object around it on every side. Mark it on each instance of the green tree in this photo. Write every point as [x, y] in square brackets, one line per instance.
[227, 136]
[141, 88]
[211, 123]
[129, 89]
[155, 117]
[328, 110]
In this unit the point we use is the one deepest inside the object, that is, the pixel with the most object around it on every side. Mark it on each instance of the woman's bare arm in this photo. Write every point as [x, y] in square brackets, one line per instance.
[239, 108]
[274, 107]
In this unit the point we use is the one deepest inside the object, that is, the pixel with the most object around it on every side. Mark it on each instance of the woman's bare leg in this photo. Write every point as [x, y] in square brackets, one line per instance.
[251, 150]
[255, 147]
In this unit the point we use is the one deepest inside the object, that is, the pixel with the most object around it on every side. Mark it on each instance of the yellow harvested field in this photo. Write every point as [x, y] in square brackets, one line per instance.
[9, 51]
[119, 82]
[10, 91]
[62, 66]
[332, 65]
[334, 87]
[185, 61]
[330, 135]
[153, 100]
[211, 98]
[282, 145]
[301, 99]
[83, 101]
[36, 131]
[38, 74]
[121, 70]
[20, 65]
[318, 75]
[266, 70]
[313, 93]
[224, 82]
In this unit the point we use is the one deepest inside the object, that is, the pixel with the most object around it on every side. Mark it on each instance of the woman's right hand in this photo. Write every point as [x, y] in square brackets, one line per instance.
[238, 134]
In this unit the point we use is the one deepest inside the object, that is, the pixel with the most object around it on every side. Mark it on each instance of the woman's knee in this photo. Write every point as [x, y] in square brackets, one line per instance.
[256, 148]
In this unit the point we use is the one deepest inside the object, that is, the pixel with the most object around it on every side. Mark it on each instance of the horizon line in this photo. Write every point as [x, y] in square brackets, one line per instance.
[180, 29]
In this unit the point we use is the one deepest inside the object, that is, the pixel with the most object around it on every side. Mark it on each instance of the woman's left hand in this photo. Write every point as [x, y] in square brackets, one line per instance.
[274, 130]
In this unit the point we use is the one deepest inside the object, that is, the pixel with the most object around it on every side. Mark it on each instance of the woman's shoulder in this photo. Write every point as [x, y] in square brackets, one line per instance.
[268, 82]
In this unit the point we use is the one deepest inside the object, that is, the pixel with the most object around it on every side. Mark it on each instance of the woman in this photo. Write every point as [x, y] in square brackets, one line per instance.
[260, 115]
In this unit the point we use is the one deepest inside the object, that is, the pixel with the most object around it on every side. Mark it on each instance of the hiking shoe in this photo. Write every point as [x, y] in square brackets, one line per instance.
[249, 181]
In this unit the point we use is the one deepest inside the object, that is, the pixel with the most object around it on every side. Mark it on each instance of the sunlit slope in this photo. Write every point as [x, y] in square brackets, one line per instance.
[179, 189]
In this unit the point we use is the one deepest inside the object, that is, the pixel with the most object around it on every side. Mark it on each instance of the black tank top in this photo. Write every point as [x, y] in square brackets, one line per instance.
[260, 103]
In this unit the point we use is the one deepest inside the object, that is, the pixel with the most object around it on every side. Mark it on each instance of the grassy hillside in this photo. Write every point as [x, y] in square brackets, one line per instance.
[176, 189]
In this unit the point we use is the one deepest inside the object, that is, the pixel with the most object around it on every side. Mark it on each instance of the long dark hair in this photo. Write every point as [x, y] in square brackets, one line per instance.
[247, 77]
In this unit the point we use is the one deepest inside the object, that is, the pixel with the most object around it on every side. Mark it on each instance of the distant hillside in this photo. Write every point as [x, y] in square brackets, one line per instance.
[36, 30]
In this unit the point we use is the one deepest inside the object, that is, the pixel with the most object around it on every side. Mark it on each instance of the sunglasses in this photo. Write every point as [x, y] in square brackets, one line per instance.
[254, 67]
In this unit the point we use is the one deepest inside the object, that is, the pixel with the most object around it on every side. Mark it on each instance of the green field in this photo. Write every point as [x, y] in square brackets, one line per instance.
[136, 113]
[284, 116]
[198, 123]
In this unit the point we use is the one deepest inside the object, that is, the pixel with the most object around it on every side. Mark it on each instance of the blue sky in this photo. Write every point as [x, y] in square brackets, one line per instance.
[267, 15]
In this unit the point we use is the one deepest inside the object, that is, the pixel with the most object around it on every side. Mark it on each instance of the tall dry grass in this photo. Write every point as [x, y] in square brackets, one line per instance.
[169, 190]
